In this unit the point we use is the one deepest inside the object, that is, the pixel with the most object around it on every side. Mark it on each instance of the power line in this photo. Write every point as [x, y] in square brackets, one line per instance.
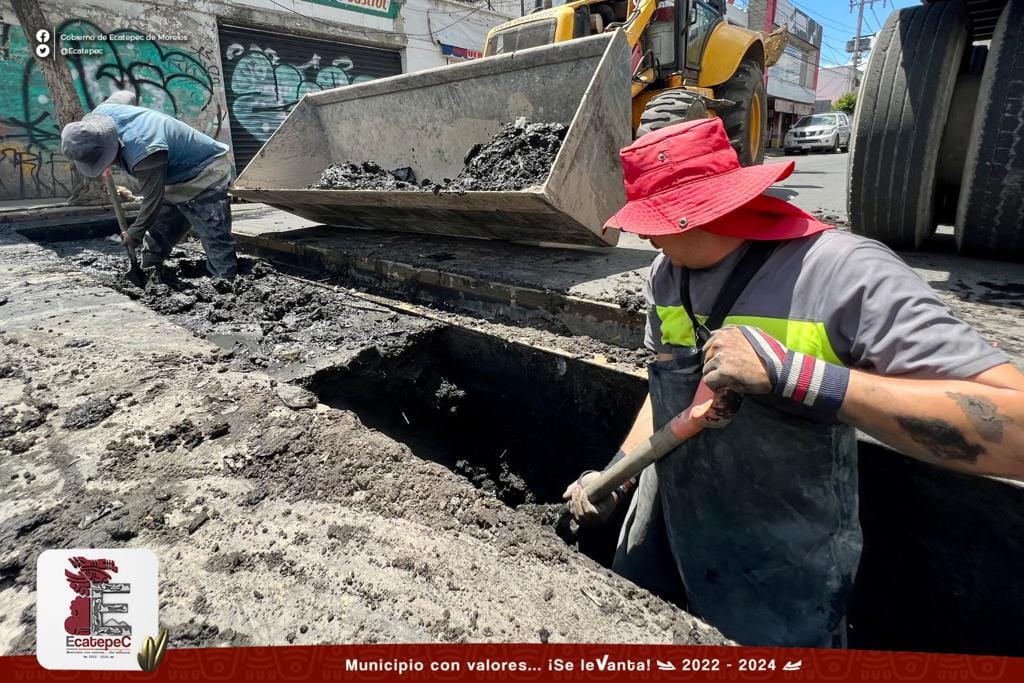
[859, 4]
[802, 60]
[822, 19]
[877, 21]
[467, 10]
[371, 31]
[823, 40]
[836, 49]
[837, 58]
[825, 44]
[840, 47]
[878, 24]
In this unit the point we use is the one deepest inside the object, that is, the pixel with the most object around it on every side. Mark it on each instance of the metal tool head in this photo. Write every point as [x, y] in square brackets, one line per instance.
[136, 277]
[135, 273]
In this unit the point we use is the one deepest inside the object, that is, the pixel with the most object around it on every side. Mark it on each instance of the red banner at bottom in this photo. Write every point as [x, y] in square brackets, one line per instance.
[523, 662]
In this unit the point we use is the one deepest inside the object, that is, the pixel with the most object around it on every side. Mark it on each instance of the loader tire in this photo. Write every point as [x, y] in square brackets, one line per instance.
[746, 121]
[901, 113]
[671, 107]
[988, 220]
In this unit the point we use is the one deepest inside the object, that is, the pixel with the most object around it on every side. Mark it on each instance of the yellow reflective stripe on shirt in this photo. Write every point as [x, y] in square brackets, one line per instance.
[676, 328]
[804, 336]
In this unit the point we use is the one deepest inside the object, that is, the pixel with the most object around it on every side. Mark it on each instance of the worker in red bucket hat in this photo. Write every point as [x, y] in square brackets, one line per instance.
[754, 527]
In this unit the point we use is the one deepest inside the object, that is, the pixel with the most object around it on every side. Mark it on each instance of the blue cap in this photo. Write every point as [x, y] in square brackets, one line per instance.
[91, 143]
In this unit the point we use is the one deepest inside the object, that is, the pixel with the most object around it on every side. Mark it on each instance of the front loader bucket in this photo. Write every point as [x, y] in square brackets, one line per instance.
[429, 120]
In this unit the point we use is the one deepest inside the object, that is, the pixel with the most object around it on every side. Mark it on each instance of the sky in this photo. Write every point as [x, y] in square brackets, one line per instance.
[839, 23]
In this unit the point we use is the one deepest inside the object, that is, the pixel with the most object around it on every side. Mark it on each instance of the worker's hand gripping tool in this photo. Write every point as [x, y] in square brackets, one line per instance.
[709, 410]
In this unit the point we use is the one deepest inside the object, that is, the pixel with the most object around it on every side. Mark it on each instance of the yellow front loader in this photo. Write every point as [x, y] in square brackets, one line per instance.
[687, 61]
[607, 71]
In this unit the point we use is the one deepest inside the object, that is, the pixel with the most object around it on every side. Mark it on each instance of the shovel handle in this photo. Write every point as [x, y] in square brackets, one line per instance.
[134, 272]
[653, 449]
[108, 180]
[683, 426]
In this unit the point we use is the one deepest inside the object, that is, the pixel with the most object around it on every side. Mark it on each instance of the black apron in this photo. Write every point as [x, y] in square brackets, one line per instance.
[753, 527]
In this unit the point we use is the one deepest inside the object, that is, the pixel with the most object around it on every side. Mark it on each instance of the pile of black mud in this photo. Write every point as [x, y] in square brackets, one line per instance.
[369, 176]
[264, 319]
[518, 157]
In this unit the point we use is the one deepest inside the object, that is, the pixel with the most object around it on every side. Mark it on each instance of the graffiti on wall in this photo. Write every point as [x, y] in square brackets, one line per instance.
[166, 77]
[264, 89]
[265, 76]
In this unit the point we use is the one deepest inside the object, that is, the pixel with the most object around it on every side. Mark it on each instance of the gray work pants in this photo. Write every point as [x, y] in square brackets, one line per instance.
[209, 214]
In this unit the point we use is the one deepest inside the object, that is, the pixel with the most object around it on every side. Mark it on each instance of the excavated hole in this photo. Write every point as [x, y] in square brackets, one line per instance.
[516, 421]
[939, 570]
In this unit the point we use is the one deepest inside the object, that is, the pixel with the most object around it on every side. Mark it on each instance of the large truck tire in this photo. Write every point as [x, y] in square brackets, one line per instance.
[745, 121]
[991, 206]
[671, 107]
[953, 152]
[901, 113]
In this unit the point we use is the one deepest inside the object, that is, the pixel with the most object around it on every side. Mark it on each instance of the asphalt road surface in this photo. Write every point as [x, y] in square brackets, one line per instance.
[819, 182]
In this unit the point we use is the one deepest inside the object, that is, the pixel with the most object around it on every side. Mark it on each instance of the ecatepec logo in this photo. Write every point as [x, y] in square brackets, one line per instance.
[92, 613]
[95, 607]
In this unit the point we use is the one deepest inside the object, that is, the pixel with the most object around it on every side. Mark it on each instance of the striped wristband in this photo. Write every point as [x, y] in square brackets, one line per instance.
[814, 383]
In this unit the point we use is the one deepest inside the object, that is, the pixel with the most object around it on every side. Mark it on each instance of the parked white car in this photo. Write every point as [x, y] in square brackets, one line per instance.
[819, 131]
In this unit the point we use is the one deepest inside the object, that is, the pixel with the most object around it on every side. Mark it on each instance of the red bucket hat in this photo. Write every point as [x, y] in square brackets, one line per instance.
[687, 176]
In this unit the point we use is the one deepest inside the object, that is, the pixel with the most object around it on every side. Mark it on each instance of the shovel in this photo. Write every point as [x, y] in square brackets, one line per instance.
[708, 410]
[134, 274]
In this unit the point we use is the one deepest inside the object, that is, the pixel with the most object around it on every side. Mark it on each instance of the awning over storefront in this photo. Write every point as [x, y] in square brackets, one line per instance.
[790, 107]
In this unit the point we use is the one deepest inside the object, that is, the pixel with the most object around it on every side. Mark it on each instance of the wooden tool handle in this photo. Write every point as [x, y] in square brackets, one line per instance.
[122, 221]
[652, 450]
[135, 271]
[707, 410]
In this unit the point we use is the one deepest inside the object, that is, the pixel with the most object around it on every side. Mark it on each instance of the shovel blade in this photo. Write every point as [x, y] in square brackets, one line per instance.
[135, 274]
[136, 277]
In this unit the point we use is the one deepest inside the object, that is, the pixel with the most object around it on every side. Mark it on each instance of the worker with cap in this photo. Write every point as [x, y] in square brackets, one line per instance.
[183, 175]
[754, 527]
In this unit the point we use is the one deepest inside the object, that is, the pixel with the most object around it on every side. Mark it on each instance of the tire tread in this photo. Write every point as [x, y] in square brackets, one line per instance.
[902, 110]
[992, 199]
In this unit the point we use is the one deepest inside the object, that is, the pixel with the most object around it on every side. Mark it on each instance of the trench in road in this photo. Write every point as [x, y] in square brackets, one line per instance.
[942, 551]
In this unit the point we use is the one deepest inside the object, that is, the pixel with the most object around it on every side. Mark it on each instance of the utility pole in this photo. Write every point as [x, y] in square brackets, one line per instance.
[859, 4]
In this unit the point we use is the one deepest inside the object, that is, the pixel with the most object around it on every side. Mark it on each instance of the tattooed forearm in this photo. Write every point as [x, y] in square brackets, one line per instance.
[944, 440]
[983, 415]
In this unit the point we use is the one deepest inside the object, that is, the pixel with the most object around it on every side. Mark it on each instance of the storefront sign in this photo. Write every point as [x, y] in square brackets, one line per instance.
[460, 52]
[378, 8]
[783, 106]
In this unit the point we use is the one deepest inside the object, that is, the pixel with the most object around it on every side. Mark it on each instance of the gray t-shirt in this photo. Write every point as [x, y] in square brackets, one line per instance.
[837, 296]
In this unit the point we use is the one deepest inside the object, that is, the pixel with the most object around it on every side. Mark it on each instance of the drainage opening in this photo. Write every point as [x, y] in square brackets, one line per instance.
[516, 421]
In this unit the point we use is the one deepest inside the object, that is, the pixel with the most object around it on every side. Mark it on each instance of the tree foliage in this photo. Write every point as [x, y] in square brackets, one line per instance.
[846, 103]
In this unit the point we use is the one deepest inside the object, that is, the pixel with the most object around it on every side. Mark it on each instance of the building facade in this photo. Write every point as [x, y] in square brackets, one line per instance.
[231, 68]
[833, 83]
[793, 80]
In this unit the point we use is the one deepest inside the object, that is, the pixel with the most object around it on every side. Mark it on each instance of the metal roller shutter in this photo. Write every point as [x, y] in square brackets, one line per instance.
[266, 73]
